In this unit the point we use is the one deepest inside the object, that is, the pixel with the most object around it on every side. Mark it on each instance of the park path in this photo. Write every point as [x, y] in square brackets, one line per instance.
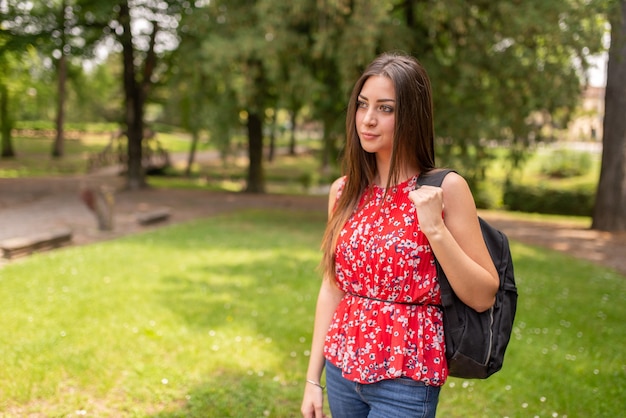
[30, 206]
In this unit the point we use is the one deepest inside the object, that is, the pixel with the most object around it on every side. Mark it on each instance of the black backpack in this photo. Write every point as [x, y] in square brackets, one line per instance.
[475, 342]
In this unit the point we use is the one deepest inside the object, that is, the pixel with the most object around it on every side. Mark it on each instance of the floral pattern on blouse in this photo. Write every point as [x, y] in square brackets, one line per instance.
[388, 323]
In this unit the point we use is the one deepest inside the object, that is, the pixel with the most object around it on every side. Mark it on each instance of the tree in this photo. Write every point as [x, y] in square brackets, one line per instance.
[236, 46]
[63, 25]
[5, 123]
[13, 85]
[51, 28]
[501, 71]
[144, 30]
[610, 207]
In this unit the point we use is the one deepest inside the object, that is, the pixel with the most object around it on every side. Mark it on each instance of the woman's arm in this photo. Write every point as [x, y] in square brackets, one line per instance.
[327, 301]
[328, 298]
[457, 241]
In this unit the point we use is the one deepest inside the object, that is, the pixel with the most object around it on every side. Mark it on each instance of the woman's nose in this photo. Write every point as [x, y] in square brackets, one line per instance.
[369, 118]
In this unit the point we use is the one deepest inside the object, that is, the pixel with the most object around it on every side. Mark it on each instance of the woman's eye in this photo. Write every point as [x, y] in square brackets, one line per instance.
[387, 109]
[361, 104]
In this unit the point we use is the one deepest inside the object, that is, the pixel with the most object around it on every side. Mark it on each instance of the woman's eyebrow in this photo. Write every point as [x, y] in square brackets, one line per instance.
[379, 100]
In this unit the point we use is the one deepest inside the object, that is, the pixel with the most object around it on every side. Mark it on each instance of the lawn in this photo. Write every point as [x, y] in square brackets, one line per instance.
[213, 318]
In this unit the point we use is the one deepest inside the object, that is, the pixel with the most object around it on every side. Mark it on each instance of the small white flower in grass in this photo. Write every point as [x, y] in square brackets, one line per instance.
[211, 333]
[266, 413]
[293, 354]
[596, 371]
[165, 381]
[507, 387]
[524, 405]
[307, 353]
[555, 414]
[261, 373]
[81, 412]
[542, 399]
[63, 334]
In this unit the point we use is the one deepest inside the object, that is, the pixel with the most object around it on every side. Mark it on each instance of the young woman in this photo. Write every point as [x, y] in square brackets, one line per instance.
[378, 327]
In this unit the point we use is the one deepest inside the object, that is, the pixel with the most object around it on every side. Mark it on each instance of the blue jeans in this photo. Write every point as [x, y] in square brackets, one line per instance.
[398, 398]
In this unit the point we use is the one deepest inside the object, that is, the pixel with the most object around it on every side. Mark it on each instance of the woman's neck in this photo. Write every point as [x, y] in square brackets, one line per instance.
[382, 176]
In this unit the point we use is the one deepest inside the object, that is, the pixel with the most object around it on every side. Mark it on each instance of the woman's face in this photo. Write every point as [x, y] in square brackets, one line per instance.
[375, 116]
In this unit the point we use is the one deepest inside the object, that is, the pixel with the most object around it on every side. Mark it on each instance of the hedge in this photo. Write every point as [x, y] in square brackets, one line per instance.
[541, 199]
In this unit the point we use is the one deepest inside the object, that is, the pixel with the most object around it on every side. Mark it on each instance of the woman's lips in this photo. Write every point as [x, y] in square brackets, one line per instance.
[368, 136]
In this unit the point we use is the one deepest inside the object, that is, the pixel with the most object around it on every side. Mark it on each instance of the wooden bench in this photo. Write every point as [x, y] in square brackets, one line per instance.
[154, 216]
[21, 246]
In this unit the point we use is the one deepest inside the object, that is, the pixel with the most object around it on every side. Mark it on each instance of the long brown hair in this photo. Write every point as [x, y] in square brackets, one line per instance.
[413, 141]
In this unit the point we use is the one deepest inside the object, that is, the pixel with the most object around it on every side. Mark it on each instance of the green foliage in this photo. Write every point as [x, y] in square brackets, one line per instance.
[214, 318]
[564, 163]
[544, 199]
[534, 190]
[501, 70]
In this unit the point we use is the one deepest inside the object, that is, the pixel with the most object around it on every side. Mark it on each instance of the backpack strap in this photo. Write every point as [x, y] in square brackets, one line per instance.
[435, 178]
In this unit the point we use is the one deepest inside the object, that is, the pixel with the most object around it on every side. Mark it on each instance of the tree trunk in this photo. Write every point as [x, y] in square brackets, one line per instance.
[272, 151]
[135, 175]
[256, 183]
[58, 145]
[195, 137]
[292, 133]
[610, 207]
[5, 123]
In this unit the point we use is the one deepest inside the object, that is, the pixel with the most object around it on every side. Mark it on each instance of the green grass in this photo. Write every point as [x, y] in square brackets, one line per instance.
[33, 156]
[213, 318]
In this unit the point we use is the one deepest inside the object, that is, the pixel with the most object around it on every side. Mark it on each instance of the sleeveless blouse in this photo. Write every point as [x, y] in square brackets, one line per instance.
[389, 323]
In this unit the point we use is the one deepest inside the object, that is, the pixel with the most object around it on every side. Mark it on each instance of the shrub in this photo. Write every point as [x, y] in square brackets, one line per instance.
[564, 163]
[541, 199]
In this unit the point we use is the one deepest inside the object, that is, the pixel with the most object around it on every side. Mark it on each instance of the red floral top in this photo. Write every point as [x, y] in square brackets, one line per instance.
[389, 323]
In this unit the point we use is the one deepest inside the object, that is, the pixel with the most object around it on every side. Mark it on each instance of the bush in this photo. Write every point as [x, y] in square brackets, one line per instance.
[541, 199]
[564, 163]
